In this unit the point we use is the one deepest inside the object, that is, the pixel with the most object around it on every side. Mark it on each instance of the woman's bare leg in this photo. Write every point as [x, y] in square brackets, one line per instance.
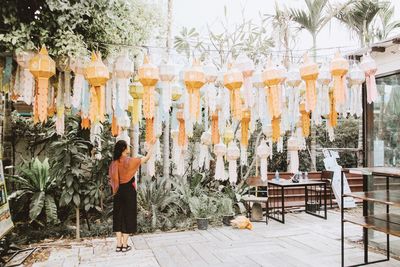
[119, 239]
[125, 239]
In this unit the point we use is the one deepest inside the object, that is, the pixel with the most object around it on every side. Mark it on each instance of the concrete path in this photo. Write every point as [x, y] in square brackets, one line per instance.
[303, 241]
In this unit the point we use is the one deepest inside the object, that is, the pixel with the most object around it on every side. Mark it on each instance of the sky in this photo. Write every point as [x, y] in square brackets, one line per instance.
[203, 13]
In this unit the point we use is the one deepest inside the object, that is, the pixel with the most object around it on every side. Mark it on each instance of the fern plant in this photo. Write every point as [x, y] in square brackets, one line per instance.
[203, 207]
[36, 186]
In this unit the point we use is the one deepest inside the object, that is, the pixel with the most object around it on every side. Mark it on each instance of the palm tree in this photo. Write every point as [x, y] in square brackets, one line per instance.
[388, 25]
[314, 18]
[358, 17]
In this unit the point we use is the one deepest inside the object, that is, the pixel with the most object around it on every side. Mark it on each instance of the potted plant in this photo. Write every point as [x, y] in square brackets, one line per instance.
[202, 208]
[226, 210]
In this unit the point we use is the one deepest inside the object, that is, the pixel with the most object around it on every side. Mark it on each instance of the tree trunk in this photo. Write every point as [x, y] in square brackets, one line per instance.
[78, 228]
[313, 147]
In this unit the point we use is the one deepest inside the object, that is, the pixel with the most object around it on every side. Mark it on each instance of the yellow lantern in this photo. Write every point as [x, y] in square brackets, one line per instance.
[182, 131]
[276, 129]
[228, 134]
[339, 68]
[214, 128]
[42, 68]
[148, 76]
[136, 90]
[333, 114]
[97, 74]
[233, 80]
[244, 140]
[273, 77]
[305, 120]
[194, 79]
[309, 73]
[176, 92]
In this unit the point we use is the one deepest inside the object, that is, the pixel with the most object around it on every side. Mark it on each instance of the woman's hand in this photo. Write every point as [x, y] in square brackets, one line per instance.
[149, 151]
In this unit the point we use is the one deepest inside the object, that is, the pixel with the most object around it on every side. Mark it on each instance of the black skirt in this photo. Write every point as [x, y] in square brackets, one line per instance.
[125, 209]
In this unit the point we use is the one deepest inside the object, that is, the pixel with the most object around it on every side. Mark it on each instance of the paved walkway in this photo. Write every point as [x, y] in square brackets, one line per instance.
[303, 241]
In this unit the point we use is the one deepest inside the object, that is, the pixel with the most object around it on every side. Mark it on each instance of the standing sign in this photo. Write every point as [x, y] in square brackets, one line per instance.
[331, 164]
[5, 217]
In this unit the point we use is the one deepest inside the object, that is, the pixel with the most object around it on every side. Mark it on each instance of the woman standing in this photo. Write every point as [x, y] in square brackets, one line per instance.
[122, 179]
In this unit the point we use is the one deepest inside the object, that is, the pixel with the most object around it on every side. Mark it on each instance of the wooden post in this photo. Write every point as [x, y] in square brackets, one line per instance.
[78, 228]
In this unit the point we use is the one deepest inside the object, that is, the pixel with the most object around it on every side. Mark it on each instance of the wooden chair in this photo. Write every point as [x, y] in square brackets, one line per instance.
[327, 177]
[258, 193]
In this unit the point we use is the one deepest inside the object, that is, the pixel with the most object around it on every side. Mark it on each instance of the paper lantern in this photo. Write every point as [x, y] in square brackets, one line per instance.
[333, 114]
[273, 77]
[60, 107]
[182, 132]
[356, 79]
[305, 120]
[293, 151]
[324, 79]
[214, 128]
[276, 129]
[167, 75]
[232, 154]
[115, 128]
[228, 134]
[42, 68]
[148, 77]
[246, 66]
[194, 79]
[176, 92]
[77, 65]
[137, 91]
[211, 74]
[233, 80]
[220, 151]
[204, 155]
[309, 73]
[123, 70]
[368, 65]
[339, 68]
[24, 79]
[263, 153]
[97, 74]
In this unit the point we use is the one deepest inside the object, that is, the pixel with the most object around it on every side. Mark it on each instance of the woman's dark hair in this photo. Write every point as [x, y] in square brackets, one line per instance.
[119, 147]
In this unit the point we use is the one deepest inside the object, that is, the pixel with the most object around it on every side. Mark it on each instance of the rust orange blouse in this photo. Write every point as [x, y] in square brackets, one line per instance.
[121, 171]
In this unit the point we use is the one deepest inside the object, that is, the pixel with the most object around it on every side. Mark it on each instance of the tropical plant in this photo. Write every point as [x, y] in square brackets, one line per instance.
[37, 187]
[387, 23]
[203, 207]
[157, 206]
[225, 206]
[358, 17]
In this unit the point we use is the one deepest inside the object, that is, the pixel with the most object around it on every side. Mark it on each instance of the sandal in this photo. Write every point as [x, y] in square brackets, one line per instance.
[118, 249]
[125, 249]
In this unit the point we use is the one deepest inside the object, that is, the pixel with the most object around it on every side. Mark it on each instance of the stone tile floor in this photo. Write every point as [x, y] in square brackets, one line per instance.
[303, 241]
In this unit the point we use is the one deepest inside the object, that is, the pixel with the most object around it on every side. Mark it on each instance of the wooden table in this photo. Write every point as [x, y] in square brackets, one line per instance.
[276, 210]
[387, 223]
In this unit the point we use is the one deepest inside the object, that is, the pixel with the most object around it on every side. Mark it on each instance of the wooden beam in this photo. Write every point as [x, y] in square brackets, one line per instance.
[380, 49]
[396, 40]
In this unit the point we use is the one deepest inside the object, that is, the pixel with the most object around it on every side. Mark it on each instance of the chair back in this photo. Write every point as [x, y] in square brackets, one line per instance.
[258, 186]
[327, 175]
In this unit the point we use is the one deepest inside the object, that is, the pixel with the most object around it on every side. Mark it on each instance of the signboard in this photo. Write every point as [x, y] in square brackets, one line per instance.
[331, 164]
[5, 217]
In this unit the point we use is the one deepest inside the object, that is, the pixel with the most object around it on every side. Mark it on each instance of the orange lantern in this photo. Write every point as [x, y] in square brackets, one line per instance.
[276, 129]
[214, 128]
[148, 76]
[150, 135]
[309, 73]
[305, 120]
[97, 74]
[42, 68]
[182, 132]
[244, 140]
[233, 80]
[194, 79]
[136, 90]
[273, 77]
[339, 68]
[333, 114]
[115, 128]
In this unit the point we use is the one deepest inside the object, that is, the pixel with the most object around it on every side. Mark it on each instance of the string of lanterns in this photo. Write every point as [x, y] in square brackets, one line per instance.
[244, 95]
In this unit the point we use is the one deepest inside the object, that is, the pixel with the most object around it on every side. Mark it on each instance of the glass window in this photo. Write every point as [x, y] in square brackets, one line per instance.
[385, 141]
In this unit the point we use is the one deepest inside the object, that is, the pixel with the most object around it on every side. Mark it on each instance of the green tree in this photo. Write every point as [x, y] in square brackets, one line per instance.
[387, 23]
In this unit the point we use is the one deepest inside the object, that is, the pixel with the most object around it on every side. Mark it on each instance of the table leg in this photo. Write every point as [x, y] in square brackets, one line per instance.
[365, 213]
[283, 204]
[325, 209]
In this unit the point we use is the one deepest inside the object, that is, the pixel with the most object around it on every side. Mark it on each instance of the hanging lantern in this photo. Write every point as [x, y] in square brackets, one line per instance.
[293, 151]
[246, 66]
[148, 76]
[263, 153]
[356, 79]
[244, 138]
[276, 129]
[233, 80]
[137, 91]
[123, 70]
[211, 74]
[78, 67]
[167, 75]
[182, 132]
[204, 155]
[368, 65]
[24, 79]
[305, 120]
[273, 77]
[214, 128]
[309, 73]
[228, 135]
[259, 97]
[194, 79]
[97, 74]
[333, 114]
[42, 68]
[293, 81]
[324, 79]
[60, 107]
[220, 151]
[232, 154]
[63, 64]
[339, 68]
